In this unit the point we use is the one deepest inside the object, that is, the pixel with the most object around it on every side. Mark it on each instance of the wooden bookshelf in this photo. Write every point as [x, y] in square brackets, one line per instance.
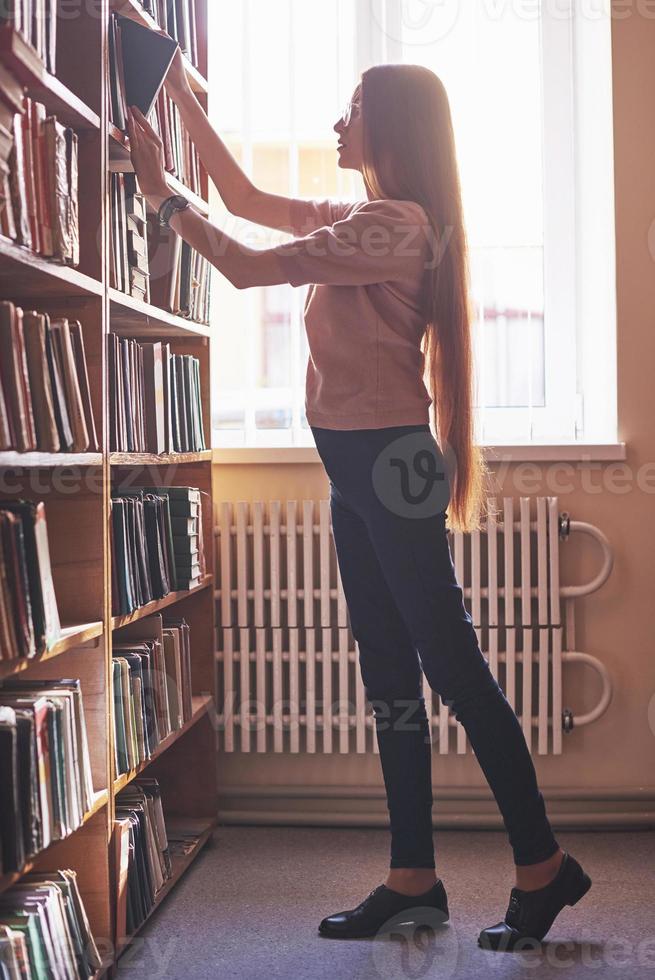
[157, 605]
[131, 317]
[79, 513]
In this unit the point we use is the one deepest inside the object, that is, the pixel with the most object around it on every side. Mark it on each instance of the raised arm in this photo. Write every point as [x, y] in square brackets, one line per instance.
[239, 194]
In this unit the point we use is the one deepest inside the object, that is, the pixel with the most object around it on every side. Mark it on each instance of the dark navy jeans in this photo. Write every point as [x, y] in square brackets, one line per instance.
[408, 616]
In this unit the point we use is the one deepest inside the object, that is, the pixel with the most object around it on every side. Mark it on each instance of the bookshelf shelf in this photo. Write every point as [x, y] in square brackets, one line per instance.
[78, 514]
[7, 880]
[131, 317]
[130, 8]
[181, 863]
[12, 460]
[26, 66]
[201, 705]
[72, 637]
[120, 162]
[164, 459]
[153, 607]
[25, 274]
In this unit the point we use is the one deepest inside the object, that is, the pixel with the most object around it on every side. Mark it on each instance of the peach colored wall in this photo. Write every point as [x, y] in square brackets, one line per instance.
[617, 623]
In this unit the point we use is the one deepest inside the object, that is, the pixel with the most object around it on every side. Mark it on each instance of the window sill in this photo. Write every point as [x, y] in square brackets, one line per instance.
[571, 452]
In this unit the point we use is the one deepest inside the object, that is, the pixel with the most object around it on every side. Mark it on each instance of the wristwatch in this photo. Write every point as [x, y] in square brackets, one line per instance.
[177, 202]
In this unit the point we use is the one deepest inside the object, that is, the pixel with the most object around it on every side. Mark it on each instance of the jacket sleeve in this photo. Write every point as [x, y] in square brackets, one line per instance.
[306, 216]
[380, 241]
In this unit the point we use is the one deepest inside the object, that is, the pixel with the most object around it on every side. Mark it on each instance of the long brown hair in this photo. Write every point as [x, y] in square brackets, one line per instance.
[409, 154]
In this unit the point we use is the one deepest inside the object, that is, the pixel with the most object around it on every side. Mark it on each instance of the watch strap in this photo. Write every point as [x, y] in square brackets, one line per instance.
[168, 207]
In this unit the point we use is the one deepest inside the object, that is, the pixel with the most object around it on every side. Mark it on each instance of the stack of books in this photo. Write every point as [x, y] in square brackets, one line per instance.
[34, 22]
[129, 238]
[177, 18]
[142, 855]
[44, 929]
[180, 278]
[45, 396]
[185, 507]
[151, 556]
[29, 619]
[42, 213]
[155, 398]
[151, 687]
[45, 768]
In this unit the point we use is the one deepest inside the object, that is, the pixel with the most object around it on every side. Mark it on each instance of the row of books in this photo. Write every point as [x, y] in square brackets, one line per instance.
[29, 618]
[181, 157]
[180, 277]
[178, 18]
[36, 22]
[151, 684]
[141, 854]
[41, 212]
[155, 398]
[45, 395]
[44, 929]
[152, 263]
[45, 768]
[157, 544]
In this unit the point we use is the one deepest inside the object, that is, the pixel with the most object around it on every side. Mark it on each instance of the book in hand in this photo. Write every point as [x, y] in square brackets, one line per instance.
[177, 18]
[139, 62]
[45, 930]
[45, 767]
[29, 619]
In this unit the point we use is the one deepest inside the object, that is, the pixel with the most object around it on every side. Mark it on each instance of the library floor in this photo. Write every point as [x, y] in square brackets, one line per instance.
[250, 905]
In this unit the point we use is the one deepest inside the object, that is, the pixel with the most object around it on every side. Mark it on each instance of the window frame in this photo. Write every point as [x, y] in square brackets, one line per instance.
[561, 420]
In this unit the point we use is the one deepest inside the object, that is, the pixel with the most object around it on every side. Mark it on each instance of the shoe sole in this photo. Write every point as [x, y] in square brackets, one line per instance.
[326, 933]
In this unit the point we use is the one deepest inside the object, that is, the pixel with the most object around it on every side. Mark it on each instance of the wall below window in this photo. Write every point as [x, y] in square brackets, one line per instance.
[606, 768]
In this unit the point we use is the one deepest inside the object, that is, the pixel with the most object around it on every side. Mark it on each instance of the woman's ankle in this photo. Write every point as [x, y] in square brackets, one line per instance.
[411, 881]
[533, 876]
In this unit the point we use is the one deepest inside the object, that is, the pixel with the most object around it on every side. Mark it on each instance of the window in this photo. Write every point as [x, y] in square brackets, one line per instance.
[530, 92]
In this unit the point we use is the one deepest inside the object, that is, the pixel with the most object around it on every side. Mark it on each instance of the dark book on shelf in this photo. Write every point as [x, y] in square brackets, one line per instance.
[30, 619]
[145, 57]
[147, 860]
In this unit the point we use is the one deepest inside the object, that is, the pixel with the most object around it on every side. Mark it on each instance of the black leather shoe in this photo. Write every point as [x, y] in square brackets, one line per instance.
[530, 914]
[383, 904]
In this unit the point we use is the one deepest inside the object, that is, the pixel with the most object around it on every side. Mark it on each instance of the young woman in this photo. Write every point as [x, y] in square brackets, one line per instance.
[388, 301]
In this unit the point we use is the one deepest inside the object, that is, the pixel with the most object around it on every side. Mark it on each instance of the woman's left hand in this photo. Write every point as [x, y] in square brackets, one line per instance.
[147, 153]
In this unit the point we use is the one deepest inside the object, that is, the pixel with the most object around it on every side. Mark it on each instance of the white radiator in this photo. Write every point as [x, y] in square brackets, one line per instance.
[288, 675]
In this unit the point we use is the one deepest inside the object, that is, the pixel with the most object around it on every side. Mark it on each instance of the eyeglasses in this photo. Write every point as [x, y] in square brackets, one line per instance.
[347, 113]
